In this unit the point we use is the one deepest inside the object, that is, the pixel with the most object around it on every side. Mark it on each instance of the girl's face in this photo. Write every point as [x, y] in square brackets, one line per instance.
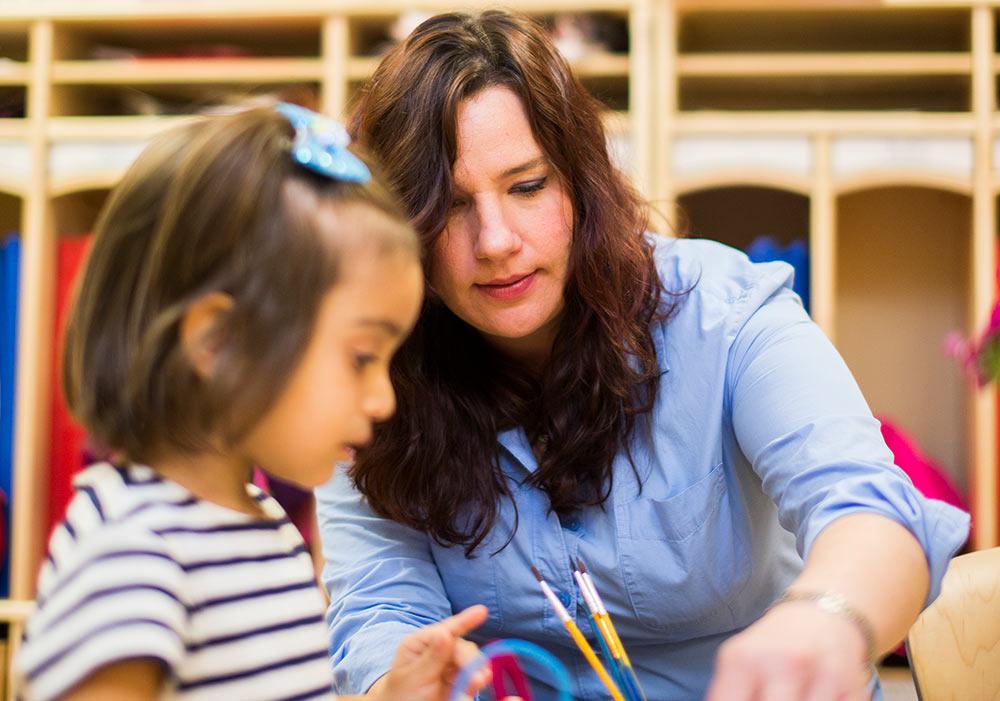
[341, 384]
[501, 262]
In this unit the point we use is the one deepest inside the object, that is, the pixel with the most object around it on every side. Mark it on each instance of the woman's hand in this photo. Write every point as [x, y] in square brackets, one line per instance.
[796, 652]
[428, 661]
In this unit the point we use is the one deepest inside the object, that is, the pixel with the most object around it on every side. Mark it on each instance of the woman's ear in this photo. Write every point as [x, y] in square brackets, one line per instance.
[197, 326]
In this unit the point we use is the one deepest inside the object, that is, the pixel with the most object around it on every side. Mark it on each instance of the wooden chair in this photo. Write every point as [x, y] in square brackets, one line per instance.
[955, 644]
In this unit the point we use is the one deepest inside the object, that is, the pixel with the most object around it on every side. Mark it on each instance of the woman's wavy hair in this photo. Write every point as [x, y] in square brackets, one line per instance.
[435, 465]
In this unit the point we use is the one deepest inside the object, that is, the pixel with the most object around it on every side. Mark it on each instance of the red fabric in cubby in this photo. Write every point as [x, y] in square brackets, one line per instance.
[66, 456]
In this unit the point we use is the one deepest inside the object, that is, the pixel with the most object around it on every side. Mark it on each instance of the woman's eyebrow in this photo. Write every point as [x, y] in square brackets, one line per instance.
[527, 165]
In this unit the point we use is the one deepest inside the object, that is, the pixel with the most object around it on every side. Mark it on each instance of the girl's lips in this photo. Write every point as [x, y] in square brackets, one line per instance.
[510, 290]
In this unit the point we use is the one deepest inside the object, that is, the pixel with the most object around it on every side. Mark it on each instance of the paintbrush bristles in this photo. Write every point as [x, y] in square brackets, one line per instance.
[579, 563]
[538, 575]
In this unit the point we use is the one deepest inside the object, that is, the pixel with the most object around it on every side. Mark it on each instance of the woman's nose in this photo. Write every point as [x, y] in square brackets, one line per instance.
[496, 239]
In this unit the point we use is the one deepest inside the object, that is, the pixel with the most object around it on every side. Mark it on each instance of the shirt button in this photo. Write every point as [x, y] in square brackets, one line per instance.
[572, 523]
[564, 599]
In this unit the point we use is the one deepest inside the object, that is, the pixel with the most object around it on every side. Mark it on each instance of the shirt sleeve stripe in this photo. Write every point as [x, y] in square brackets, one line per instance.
[92, 495]
[203, 564]
[99, 594]
[225, 528]
[69, 577]
[56, 657]
[253, 594]
[322, 692]
[285, 625]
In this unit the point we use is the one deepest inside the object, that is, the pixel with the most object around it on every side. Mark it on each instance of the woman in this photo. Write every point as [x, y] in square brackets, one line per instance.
[663, 410]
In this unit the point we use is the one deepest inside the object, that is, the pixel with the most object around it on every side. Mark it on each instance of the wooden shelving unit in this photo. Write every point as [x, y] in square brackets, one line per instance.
[870, 128]
[879, 120]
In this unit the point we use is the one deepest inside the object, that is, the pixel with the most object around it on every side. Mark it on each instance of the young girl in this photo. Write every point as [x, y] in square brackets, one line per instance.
[247, 287]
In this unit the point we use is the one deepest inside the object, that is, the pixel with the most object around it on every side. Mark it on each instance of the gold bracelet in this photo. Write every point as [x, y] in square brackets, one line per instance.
[835, 603]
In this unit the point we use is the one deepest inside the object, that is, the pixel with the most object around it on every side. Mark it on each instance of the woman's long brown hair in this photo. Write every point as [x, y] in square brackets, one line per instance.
[435, 465]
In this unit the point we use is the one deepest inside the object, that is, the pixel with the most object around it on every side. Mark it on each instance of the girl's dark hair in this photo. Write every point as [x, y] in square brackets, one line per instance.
[216, 205]
[434, 466]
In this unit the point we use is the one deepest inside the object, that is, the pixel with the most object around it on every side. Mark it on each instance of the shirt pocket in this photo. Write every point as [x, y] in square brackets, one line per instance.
[684, 558]
[471, 581]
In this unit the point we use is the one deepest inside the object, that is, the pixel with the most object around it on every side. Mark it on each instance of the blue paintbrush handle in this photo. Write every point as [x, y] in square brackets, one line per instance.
[631, 687]
[612, 664]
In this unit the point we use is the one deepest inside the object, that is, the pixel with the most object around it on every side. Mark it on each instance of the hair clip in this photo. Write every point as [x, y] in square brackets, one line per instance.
[321, 145]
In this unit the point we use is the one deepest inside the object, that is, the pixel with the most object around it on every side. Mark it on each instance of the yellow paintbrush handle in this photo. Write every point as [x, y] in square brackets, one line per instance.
[615, 641]
[588, 652]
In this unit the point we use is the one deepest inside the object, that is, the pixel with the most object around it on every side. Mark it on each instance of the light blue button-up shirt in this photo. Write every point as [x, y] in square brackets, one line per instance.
[760, 438]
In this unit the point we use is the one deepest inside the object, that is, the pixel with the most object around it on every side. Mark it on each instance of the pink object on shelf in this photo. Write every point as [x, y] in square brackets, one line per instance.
[927, 477]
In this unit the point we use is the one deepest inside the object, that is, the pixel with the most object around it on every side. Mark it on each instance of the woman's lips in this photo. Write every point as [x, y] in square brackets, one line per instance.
[508, 290]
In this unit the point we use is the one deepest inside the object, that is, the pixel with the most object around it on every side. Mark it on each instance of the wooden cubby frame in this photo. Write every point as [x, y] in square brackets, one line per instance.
[658, 63]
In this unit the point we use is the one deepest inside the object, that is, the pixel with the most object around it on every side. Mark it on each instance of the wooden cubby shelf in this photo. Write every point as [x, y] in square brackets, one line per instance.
[869, 130]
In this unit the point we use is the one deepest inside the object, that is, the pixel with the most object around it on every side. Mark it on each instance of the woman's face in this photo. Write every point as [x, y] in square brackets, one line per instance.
[501, 262]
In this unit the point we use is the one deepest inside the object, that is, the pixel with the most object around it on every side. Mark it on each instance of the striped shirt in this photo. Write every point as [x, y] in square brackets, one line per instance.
[141, 568]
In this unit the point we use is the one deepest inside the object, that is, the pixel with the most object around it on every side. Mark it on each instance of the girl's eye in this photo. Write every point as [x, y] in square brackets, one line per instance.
[529, 188]
[362, 360]
[457, 203]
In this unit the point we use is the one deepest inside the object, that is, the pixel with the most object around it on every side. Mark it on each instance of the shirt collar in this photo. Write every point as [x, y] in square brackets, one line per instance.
[515, 442]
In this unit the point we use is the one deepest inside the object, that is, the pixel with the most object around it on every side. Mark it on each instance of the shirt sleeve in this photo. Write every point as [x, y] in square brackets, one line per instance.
[118, 598]
[803, 423]
[382, 581]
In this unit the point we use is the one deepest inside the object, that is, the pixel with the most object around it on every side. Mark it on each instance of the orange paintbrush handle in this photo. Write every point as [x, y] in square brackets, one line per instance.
[588, 652]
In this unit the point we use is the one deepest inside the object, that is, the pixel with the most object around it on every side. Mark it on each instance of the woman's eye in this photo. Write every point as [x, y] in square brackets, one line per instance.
[529, 188]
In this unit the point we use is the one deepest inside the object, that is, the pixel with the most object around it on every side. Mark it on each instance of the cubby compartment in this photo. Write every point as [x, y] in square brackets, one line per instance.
[857, 59]
[815, 29]
[181, 66]
[766, 223]
[602, 64]
[13, 46]
[10, 212]
[74, 213]
[839, 93]
[172, 99]
[902, 285]
[15, 72]
[13, 100]
[198, 39]
[737, 215]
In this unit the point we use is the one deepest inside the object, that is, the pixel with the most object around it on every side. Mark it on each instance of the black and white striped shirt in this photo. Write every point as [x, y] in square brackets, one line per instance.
[141, 568]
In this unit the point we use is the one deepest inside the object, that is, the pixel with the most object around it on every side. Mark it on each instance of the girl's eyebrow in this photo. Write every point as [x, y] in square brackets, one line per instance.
[390, 327]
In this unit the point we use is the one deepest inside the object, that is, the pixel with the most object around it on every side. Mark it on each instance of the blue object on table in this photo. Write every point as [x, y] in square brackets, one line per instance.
[765, 249]
[559, 676]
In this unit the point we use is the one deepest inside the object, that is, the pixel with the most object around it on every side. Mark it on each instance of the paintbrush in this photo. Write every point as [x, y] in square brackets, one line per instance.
[627, 672]
[574, 632]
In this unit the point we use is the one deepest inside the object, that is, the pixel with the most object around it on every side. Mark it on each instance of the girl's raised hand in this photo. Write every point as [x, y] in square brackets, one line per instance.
[428, 661]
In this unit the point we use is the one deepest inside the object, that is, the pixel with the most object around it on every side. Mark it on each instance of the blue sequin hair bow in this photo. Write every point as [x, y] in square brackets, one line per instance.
[321, 145]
